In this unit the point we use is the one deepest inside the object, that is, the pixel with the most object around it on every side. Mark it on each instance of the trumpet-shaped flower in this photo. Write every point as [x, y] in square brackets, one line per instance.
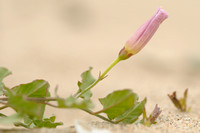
[141, 37]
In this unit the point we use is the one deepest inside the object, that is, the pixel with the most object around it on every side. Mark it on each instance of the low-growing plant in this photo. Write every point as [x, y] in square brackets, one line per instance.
[121, 106]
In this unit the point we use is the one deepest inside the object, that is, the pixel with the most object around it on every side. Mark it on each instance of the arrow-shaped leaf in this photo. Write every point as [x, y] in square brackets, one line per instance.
[118, 102]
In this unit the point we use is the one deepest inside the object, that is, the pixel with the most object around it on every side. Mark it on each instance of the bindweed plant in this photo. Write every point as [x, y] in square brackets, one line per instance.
[121, 106]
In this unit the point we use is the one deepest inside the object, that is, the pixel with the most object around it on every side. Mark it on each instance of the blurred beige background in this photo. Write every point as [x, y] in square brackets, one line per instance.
[57, 40]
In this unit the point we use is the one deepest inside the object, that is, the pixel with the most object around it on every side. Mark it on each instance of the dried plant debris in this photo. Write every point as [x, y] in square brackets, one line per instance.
[148, 121]
[180, 104]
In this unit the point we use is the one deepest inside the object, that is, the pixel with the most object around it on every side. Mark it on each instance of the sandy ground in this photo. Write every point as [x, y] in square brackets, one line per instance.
[58, 40]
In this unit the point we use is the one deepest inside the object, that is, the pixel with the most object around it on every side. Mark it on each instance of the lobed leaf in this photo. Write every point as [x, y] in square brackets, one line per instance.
[118, 102]
[3, 73]
[47, 122]
[87, 80]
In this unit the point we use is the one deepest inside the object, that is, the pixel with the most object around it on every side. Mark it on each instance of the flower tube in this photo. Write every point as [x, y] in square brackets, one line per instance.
[141, 37]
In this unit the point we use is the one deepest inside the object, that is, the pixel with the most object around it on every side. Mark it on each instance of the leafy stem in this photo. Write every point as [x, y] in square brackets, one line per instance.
[47, 99]
[29, 101]
[101, 77]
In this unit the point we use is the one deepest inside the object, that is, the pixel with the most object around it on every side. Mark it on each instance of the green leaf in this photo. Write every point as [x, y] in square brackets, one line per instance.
[47, 122]
[37, 88]
[132, 114]
[118, 102]
[28, 120]
[3, 73]
[87, 80]
[72, 102]
[10, 119]
[22, 106]
[52, 118]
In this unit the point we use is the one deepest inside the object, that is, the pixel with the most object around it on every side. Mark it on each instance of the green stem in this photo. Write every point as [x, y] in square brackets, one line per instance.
[101, 77]
[33, 99]
[100, 116]
[110, 67]
[144, 116]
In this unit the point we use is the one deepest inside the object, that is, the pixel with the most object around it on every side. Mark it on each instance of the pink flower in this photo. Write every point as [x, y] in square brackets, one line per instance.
[141, 37]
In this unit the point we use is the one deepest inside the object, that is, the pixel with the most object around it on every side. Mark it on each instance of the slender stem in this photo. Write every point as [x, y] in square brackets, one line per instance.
[41, 99]
[144, 116]
[101, 77]
[100, 116]
[87, 89]
[49, 104]
[118, 121]
[110, 67]
[33, 99]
